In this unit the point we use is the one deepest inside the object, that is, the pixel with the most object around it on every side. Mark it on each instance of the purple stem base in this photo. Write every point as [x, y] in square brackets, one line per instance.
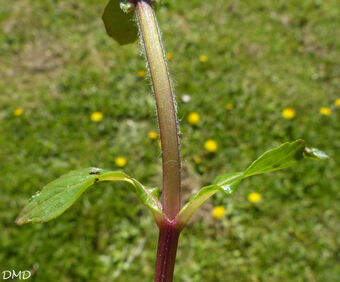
[166, 252]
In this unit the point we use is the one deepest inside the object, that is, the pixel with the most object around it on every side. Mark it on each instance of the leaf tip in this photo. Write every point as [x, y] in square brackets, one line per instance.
[21, 220]
[314, 153]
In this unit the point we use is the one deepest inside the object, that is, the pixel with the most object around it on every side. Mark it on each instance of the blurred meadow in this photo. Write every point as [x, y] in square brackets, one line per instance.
[248, 76]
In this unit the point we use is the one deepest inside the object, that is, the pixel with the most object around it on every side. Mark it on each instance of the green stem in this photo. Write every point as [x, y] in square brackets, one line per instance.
[165, 107]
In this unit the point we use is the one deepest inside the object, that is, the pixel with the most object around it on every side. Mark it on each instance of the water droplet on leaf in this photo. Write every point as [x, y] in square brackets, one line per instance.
[37, 194]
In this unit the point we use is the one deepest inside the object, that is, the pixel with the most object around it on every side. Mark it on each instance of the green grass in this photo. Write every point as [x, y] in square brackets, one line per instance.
[263, 56]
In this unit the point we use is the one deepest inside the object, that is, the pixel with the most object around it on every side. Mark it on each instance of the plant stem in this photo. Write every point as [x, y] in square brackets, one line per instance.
[165, 104]
[167, 120]
[166, 252]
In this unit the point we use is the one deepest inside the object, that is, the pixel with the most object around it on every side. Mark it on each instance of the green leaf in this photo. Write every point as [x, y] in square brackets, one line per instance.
[227, 184]
[60, 194]
[281, 157]
[118, 24]
[315, 154]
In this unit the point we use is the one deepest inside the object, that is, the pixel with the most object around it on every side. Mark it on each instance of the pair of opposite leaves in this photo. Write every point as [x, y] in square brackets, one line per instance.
[60, 194]
[57, 196]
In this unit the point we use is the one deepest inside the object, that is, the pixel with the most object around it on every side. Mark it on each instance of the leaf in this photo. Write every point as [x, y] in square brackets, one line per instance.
[227, 184]
[118, 24]
[60, 194]
[315, 154]
[281, 157]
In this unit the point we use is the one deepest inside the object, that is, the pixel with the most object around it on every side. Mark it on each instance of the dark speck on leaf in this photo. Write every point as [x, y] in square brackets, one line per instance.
[299, 154]
[96, 180]
[94, 172]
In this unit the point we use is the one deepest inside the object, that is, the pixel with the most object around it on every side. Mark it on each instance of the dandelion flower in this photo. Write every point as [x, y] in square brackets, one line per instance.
[337, 102]
[229, 106]
[186, 98]
[203, 58]
[325, 111]
[120, 161]
[18, 112]
[153, 135]
[197, 160]
[254, 197]
[194, 118]
[142, 73]
[218, 212]
[96, 116]
[169, 56]
[211, 145]
[289, 113]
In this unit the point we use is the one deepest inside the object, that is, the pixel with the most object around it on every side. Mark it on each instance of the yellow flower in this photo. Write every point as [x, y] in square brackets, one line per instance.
[211, 145]
[289, 113]
[153, 135]
[218, 212]
[142, 73]
[325, 111]
[337, 102]
[194, 118]
[229, 106]
[96, 116]
[160, 144]
[254, 197]
[169, 56]
[18, 112]
[203, 58]
[197, 159]
[120, 161]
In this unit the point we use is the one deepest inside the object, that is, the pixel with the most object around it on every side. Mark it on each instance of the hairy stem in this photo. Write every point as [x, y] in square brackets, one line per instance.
[167, 120]
[165, 104]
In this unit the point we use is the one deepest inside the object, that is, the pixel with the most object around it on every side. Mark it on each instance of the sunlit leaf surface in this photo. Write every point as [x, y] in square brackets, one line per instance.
[60, 194]
[281, 157]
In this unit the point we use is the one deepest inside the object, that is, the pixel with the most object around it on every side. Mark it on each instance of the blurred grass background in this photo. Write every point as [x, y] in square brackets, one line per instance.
[59, 66]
